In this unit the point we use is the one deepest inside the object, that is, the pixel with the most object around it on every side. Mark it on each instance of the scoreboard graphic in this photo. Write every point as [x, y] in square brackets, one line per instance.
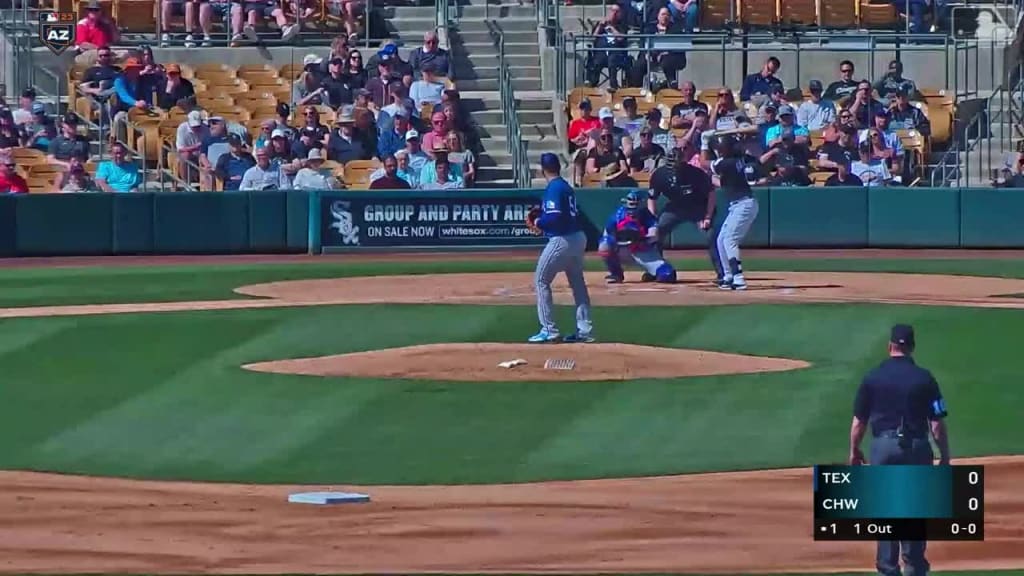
[57, 30]
[899, 503]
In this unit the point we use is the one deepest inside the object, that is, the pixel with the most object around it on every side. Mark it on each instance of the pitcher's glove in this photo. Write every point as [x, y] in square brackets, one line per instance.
[531, 220]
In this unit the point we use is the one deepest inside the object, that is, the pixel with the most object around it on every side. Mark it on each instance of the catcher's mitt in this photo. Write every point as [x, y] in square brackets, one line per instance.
[627, 236]
[531, 220]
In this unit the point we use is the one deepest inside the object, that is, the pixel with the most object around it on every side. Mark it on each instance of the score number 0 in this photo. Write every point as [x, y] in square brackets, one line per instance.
[972, 505]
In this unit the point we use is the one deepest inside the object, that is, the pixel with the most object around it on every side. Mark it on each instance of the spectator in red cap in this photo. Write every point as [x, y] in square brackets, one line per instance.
[174, 88]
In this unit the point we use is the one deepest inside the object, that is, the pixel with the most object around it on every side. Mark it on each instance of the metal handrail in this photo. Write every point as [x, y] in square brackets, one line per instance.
[514, 136]
[798, 42]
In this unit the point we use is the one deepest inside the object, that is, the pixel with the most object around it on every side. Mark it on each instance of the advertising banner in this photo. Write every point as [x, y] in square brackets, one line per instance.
[370, 221]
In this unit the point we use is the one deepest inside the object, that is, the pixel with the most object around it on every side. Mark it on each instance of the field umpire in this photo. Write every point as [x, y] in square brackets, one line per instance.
[691, 198]
[901, 401]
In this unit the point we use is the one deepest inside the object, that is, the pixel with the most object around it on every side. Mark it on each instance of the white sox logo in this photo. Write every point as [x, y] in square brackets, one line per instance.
[343, 222]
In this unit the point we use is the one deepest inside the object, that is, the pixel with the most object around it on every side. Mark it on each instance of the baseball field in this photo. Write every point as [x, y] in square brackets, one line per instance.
[157, 412]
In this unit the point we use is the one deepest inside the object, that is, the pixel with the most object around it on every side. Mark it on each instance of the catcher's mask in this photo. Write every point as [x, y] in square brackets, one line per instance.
[632, 201]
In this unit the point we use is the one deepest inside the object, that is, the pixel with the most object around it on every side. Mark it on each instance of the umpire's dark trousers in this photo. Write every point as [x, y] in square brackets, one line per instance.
[894, 451]
[671, 218]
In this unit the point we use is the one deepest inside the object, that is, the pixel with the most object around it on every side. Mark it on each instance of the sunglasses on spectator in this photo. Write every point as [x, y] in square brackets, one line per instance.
[437, 122]
[846, 70]
[606, 137]
[845, 116]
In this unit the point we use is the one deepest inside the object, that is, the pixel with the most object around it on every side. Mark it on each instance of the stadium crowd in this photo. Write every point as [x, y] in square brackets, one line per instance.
[333, 121]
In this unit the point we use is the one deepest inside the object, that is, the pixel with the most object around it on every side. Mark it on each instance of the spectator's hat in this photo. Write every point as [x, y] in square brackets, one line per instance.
[412, 135]
[903, 92]
[550, 162]
[234, 140]
[815, 86]
[388, 50]
[585, 104]
[216, 120]
[283, 109]
[29, 93]
[173, 69]
[310, 59]
[70, 119]
[314, 154]
[785, 109]
[629, 101]
[337, 62]
[654, 114]
[195, 118]
[278, 133]
[364, 93]
[605, 112]
[345, 115]
[38, 108]
[132, 63]
[771, 105]
[881, 113]
[93, 5]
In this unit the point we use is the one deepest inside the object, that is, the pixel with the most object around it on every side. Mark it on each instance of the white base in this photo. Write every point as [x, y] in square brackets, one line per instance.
[327, 497]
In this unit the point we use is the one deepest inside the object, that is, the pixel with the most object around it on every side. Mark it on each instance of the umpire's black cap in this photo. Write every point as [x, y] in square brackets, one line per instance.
[902, 335]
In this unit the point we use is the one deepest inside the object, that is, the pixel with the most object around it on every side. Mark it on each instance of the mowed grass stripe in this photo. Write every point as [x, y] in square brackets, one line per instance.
[163, 396]
[121, 284]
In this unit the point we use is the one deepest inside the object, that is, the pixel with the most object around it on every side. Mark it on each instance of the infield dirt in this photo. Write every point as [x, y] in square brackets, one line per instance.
[728, 522]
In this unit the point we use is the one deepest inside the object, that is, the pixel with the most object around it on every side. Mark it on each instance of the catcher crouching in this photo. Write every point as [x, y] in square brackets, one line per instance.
[632, 226]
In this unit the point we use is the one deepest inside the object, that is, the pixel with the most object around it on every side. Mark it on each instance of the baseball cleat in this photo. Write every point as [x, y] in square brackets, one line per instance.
[648, 277]
[543, 336]
[578, 338]
[725, 285]
[739, 283]
[613, 279]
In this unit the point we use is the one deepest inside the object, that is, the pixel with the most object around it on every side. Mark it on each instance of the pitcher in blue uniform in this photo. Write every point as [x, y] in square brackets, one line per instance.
[563, 253]
[734, 173]
[633, 227]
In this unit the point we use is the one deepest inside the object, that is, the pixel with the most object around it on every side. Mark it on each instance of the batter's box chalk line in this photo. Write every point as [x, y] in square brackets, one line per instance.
[559, 364]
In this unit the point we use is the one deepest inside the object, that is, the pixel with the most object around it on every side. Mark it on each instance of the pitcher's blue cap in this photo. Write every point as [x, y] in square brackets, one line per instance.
[550, 162]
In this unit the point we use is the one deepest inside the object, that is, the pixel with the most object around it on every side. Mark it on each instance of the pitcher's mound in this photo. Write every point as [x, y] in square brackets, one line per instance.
[479, 363]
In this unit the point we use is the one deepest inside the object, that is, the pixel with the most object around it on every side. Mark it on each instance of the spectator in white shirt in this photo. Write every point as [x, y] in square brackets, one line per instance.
[264, 175]
[815, 114]
[429, 89]
[312, 177]
[871, 171]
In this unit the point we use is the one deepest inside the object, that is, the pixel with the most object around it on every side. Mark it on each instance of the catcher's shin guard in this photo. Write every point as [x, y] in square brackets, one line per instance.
[611, 261]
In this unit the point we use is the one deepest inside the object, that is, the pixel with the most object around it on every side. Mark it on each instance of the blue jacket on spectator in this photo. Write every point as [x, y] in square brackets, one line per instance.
[130, 91]
[758, 83]
[390, 142]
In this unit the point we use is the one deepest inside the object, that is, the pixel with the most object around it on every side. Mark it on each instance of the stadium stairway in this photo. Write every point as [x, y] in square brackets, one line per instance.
[475, 56]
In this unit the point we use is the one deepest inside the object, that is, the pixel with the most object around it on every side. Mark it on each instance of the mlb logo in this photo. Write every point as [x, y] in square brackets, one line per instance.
[57, 30]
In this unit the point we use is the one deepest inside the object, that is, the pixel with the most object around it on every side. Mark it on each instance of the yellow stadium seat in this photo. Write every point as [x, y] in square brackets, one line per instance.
[38, 184]
[838, 14]
[882, 15]
[819, 178]
[210, 71]
[715, 13]
[758, 13]
[135, 15]
[28, 156]
[798, 13]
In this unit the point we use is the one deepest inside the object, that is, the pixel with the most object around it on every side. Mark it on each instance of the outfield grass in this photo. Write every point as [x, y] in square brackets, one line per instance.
[122, 284]
[162, 395]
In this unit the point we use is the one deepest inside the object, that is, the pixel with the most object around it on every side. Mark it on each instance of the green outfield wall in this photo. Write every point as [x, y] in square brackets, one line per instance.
[294, 221]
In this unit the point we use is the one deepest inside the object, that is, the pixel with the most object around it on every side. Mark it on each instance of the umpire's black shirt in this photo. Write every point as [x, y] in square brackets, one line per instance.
[899, 391]
[685, 188]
